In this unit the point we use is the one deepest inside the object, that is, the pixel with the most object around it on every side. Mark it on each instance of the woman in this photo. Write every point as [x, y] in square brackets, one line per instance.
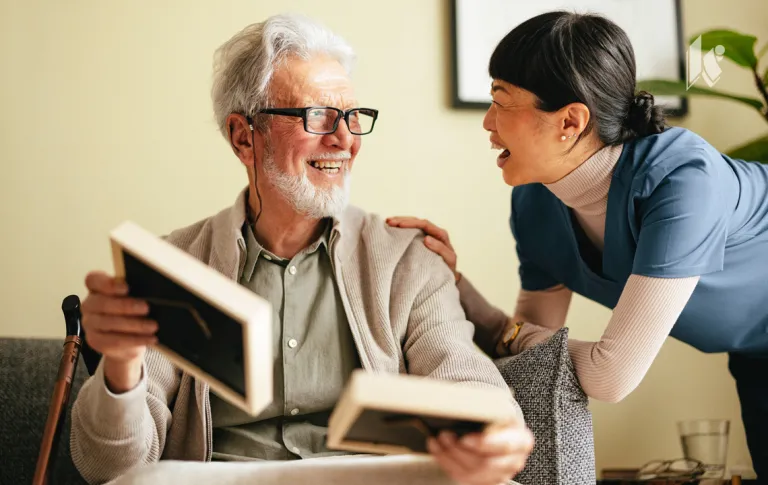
[607, 202]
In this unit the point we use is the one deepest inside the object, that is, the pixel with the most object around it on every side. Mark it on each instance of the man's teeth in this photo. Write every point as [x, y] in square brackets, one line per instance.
[326, 164]
[495, 146]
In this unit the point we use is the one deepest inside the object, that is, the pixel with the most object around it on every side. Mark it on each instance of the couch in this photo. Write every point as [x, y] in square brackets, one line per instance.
[543, 378]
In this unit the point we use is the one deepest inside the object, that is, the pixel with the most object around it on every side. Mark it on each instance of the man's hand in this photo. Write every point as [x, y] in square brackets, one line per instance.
[116, 326]
[490, 458]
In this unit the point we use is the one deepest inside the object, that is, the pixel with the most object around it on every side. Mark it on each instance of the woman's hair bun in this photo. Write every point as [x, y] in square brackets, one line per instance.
[645, 118]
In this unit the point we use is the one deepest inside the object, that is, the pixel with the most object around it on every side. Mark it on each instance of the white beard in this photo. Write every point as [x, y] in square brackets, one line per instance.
[306, 199]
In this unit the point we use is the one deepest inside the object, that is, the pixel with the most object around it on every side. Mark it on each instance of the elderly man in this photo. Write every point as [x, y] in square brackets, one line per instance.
[347, 290]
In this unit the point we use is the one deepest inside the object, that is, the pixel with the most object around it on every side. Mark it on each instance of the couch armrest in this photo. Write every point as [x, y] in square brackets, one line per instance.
[28, 369]
[556, 410]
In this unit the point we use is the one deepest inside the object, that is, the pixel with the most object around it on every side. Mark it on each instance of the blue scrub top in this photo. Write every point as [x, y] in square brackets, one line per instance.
[676, 208]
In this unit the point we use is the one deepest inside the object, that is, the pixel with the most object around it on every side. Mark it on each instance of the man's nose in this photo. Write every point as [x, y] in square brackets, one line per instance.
[341, 138]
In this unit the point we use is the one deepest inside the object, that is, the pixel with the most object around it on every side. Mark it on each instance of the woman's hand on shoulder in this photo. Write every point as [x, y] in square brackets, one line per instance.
[437, 239]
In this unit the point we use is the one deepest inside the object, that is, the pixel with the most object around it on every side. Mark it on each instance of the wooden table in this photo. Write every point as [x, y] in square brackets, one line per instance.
[626, 477]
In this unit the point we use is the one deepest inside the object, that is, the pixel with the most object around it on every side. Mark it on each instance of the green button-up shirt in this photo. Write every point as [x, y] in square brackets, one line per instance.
[313, 350]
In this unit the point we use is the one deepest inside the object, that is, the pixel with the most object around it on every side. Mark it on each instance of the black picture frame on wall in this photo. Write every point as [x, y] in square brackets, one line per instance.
[659, 47]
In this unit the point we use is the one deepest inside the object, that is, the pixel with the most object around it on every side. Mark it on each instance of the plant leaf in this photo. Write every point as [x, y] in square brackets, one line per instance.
[763, 52]
[740, 48]
[753, 151]
[662, 87]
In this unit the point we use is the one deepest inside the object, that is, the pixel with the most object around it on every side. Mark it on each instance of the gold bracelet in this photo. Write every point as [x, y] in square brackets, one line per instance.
[511, 334]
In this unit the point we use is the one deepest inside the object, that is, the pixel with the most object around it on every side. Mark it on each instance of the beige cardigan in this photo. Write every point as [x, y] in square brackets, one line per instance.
[401, 303]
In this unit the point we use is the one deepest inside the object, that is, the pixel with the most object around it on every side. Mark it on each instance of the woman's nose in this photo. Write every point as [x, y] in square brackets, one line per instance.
[489, 121]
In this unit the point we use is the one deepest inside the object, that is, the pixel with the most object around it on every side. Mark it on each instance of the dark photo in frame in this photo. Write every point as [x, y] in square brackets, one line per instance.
[209, 326]
[653, 26]
[385, 414]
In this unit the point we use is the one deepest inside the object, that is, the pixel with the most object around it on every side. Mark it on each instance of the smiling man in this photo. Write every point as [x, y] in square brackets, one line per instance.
[347, 290]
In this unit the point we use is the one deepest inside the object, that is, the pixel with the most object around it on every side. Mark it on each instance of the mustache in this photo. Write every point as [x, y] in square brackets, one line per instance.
[343, 155]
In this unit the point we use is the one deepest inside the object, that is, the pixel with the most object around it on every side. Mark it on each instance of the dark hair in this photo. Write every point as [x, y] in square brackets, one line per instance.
[564, 57]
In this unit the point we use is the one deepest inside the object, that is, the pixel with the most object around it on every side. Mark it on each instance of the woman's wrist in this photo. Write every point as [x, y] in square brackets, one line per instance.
[508, 335]
[519, 335]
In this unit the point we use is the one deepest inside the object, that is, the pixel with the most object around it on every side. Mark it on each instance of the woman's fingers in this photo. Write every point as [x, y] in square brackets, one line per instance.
[437, 239]
[394, 221]
[428, 227]
[445, 252]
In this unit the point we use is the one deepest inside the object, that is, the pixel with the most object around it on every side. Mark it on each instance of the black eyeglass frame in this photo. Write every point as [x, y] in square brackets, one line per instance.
[302, 113]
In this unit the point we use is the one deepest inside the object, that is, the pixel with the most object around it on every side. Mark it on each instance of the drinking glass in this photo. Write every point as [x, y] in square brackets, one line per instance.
[706, 440]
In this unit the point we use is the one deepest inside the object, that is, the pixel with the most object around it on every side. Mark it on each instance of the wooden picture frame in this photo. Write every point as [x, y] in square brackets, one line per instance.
[209, 326]
[387, 414]
[477, 26]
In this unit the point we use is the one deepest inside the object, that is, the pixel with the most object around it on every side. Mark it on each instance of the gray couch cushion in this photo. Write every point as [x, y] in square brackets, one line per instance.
[556, 410]
[28, 369]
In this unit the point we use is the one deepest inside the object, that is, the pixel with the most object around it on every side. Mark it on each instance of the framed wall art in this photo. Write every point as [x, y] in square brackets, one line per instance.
[654, 27]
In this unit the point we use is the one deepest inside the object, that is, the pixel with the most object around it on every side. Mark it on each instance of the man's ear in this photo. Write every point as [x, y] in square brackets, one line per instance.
[242, 136]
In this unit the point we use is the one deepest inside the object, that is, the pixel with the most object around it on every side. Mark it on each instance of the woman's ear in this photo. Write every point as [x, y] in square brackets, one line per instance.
[574, 118]
[244, 139]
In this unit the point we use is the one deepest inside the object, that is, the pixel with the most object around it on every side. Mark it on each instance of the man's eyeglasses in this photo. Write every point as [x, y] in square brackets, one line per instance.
[324, 120]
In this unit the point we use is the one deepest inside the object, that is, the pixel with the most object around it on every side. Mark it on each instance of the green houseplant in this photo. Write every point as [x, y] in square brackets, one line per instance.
[740, 49]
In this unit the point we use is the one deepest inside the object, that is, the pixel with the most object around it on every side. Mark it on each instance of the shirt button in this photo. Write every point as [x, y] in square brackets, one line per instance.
[294, 412]
[295, 450]
[268, 257]
[292, 270]
[292, 343]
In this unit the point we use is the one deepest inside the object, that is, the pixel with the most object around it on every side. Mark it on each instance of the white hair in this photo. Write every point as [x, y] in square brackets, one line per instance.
[245, 64]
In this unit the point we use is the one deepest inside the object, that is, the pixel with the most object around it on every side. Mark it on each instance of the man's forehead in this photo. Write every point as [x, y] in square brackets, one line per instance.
[319, 80]
[307, 95]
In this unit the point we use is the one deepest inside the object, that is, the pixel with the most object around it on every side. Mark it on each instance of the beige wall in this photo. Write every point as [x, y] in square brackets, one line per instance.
[106, 116]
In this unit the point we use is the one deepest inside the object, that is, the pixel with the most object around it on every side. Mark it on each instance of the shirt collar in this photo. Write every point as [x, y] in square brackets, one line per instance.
[254, 250]
[228, 243]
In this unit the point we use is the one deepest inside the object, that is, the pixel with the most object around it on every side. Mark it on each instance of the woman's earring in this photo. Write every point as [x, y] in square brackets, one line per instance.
[562, 138]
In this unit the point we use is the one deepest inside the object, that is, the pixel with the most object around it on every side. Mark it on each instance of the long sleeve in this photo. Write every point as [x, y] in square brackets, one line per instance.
[438, 338]
[547, 308]
[647, 310]
[489, 321]
[112, 433]
[611, 368]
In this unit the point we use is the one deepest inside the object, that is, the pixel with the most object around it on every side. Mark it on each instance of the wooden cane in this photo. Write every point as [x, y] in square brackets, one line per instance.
[61, 390]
